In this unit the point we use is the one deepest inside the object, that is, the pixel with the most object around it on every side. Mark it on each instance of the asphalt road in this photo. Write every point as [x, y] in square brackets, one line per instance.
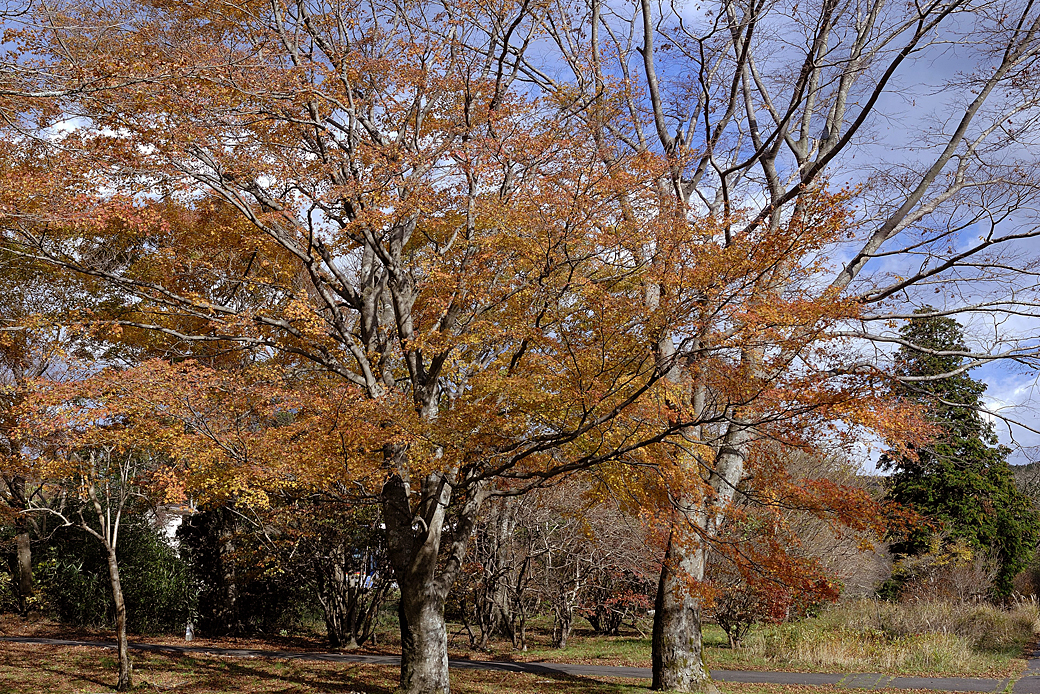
[1029, 683]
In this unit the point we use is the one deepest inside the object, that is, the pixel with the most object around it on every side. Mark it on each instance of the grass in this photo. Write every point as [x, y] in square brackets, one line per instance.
[32, 669]
[583, 647]
[945, 639]
[940, 639]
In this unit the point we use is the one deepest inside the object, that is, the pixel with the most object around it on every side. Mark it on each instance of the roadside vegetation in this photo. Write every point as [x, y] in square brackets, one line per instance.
[921, 638]
[940, 638]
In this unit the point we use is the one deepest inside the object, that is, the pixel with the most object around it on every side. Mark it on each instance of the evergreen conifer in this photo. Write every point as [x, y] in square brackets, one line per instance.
[961, 480]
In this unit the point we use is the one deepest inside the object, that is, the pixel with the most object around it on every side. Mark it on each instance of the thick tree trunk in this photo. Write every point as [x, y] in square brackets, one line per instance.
[678, 660]
[125, 667]
[414, 532]
[23, 549]
[501, 606]
[424, 640]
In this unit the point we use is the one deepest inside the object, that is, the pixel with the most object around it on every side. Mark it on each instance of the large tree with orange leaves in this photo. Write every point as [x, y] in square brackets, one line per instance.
[423, 281]
[755, 105]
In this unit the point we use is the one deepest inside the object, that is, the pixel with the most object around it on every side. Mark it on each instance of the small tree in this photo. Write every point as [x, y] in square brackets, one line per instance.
[103, 480]
[89, 449]
[737, 606]
[961, 479]
[799, 523]
[340, 549]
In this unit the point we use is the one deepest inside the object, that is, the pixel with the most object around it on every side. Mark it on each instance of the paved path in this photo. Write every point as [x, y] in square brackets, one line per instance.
[1029, 683]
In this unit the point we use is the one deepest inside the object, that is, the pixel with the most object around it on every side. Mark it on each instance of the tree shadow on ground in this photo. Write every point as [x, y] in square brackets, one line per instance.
[37, 669]
[222, 674]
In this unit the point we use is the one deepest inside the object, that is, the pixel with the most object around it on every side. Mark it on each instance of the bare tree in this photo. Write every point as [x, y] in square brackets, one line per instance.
[561, 549]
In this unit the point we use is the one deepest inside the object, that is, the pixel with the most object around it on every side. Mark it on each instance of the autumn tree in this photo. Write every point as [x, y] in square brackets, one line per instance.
[27, 350]
[448, 255]
[822, 554]
[961, 478]
[506, 269]
[749, 122]
[86, 448]
[36, 339]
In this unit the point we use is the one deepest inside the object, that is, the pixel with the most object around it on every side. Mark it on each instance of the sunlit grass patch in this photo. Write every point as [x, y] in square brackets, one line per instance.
[939, 638]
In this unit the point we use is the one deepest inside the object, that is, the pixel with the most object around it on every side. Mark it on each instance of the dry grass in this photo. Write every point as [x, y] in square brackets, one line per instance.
[985, 627]
[937, 638]
[36, 669]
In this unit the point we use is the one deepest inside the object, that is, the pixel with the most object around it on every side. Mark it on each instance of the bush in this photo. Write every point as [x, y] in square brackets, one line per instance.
[8, 599]
[951, 571]
[73, 575]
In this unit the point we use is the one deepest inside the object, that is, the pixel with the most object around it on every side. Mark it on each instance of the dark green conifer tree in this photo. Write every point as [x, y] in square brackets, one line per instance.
[961, 480]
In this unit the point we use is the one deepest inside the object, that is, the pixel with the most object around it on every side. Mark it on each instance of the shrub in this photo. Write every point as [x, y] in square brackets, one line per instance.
[73, 575]
[8, 599]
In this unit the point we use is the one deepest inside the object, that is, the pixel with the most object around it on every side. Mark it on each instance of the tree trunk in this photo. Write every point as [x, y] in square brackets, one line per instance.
[562, 627]
[414, 541]
[24, 586]
[424, 640]
[501, 607]
[23, 565]
[678, 659]
[333, 612]
[125, 667]
[227, 611]
[332, 591]
[414, 534]
[349, 599]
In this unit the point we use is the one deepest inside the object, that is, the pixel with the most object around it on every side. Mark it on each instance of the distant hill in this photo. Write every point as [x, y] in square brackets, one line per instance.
[1027, 478]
